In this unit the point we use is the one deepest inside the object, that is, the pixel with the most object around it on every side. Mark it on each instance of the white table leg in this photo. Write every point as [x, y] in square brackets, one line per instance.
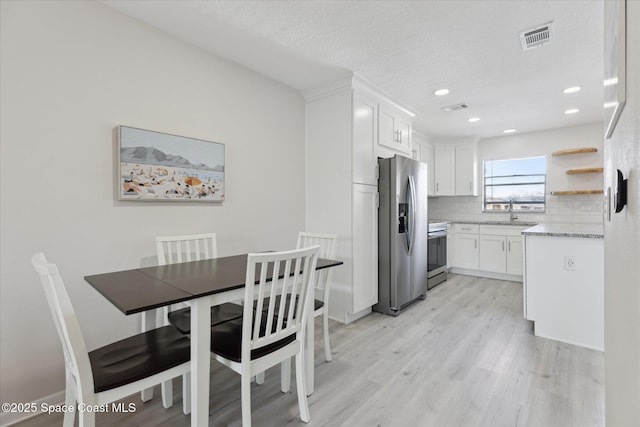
[148, 323]
[309, 347]
[200, 361]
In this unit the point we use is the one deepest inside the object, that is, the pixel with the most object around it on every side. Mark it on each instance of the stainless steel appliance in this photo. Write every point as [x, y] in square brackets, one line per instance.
[402, 234]
[437, 254]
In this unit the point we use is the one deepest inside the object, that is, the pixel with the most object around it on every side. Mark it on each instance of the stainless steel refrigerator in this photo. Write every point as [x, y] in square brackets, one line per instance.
[402, 234]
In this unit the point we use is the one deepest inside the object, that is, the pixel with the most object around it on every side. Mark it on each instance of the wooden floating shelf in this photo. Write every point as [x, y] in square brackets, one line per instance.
[585, 170]
[574, 151]
[569, 193]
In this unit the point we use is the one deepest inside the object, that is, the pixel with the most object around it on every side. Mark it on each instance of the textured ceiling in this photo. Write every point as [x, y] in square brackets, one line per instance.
[408, 49]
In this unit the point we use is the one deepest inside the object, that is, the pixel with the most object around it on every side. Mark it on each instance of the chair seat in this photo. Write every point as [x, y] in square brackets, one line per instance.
[226, 340]
[181, 319]
[138, 357]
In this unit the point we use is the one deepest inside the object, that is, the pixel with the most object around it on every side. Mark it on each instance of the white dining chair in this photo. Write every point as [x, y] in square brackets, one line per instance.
[116, 370]
[270, 334]
[186, 248]
[327, 243]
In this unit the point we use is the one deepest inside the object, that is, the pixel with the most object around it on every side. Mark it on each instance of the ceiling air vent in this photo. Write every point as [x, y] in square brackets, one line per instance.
[456, 107]
[536, 36]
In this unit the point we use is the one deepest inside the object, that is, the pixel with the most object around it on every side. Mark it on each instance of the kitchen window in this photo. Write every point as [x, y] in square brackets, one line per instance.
[517, 184]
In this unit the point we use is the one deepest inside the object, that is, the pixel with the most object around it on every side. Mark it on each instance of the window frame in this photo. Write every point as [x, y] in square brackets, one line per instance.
[484, 185]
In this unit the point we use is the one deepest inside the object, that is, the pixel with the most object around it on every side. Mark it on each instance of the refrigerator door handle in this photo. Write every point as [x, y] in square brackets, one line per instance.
[412, 230]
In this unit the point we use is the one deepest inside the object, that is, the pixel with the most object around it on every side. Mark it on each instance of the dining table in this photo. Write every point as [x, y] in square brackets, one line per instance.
[201, 284]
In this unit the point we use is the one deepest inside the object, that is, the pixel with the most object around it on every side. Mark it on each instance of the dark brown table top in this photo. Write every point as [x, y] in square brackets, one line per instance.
[142, 289]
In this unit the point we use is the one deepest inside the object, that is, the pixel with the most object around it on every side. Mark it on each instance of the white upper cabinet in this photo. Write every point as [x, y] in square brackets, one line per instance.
[456, 169]
[394, 129]
[466, 170]
[444, 169]
[365, 133]
[423, 152]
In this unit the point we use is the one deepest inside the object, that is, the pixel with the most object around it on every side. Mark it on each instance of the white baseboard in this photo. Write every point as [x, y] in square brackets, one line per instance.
[11, 418]
[487, 274]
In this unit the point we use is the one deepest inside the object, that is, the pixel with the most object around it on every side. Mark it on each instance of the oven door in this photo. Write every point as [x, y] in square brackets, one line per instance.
[437, 254]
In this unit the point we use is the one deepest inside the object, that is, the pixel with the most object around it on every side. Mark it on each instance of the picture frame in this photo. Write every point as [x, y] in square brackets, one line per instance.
[161, 167]
[614, 63]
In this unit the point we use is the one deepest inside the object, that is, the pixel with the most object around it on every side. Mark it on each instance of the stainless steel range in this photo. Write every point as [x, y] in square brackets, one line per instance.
[437, 254]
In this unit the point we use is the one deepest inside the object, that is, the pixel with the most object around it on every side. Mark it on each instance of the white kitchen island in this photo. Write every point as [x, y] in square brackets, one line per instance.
[564, 282]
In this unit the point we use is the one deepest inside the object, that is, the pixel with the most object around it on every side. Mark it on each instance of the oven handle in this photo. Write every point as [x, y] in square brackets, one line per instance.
[436, 234]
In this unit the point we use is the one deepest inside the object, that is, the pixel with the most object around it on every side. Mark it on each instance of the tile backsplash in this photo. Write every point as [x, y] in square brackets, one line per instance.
[584, 209]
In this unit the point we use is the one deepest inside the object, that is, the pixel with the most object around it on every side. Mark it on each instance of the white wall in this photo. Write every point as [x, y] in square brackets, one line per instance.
[71, 72]
[622, 251]
[575, 208]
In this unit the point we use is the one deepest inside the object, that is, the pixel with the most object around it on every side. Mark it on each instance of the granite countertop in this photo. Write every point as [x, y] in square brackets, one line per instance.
[514, 223]
[592, 231]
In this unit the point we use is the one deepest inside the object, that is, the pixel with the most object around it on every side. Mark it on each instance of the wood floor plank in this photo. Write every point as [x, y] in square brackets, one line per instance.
[463, 357]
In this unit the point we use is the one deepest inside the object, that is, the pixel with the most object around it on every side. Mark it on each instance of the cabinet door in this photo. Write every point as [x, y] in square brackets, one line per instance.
[465, 170]
[426, 156]
[365, 247]
[444, 169]
[450, 250]
[403, 128]
[515, 259]
[365, 135]
[466, 251]
[394, 129]
[493, 256]
[387, 135]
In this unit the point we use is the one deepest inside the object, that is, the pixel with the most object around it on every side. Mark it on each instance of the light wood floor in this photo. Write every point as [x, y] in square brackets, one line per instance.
[462, 357]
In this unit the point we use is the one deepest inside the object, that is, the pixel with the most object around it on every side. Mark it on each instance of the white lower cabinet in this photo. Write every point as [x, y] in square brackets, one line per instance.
[449, 246]
[495, 249]
[465, 246]
[515, 255]
[365, 247]
[501, 254]
[493, 256]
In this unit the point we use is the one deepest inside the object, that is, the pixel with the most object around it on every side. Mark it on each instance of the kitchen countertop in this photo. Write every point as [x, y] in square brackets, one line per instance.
[592, 231]
[514, 223]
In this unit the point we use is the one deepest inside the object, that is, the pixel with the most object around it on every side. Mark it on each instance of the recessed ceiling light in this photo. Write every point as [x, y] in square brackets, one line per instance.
[441, 92]
[571, 111]
[509, 130]
[473, 119]
[572, 89]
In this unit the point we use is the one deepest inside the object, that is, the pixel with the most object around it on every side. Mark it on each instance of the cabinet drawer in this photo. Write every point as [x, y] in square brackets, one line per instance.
[465, 228]
[502, 230]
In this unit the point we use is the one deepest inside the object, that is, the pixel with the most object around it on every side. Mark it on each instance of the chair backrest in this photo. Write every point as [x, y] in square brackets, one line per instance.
[327, 243]
[194, 247]
[74, 347]
[292, 273]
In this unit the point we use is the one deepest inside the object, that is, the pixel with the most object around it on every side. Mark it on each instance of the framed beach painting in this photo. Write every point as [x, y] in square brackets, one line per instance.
[614, 63]
[155, 166]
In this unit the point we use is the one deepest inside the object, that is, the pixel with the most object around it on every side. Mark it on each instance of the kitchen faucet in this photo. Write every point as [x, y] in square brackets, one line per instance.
[512, 217]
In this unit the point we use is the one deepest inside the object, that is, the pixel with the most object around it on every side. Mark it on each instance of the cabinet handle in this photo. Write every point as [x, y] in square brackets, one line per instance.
[475, 243]
[437, 187]
[502, 246]
[509, 246]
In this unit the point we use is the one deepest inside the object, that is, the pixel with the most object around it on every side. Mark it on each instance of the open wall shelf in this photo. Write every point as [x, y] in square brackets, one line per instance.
[574, 151]
[578, 170]
[573, 192]
[584, 170]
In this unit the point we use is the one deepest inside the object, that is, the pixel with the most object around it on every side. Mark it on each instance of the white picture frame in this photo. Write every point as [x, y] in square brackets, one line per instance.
[614, 63]
[156, 166]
